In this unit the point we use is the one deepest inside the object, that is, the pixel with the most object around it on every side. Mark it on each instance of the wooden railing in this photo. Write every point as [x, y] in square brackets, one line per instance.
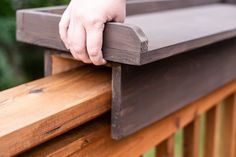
[79, 110]
[41, 111]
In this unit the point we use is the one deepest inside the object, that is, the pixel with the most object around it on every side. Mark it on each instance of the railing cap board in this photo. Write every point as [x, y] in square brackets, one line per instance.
[135, 7]
[142, 38]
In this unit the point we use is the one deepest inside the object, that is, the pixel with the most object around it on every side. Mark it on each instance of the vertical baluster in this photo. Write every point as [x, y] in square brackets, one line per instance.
[227, 147]
[166, 148]
[192, 139]
[212, 125]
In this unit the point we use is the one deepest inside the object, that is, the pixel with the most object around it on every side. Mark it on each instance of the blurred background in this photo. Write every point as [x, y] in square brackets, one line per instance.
[19, 62]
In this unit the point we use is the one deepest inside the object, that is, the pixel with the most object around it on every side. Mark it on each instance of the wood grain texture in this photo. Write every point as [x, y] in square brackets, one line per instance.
[166, 148]
[94, 138]
[60, 64]
[142, 38]
[41, 28]
[192, 138]
[135, 7]
[228, 127]
[36, 112]
[212, 130]
[178, 31]
[158, 89]
[56, 62]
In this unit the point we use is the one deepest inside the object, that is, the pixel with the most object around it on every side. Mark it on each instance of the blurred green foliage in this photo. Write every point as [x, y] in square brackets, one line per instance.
[19, 62]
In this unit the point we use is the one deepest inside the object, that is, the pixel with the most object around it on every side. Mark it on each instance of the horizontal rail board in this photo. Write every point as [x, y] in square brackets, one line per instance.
[94, 138]
[36, 112]
[143, 38]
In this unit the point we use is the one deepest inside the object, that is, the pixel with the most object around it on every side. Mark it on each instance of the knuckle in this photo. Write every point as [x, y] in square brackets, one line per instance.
[77, 48]
[77, 15]
[94, 21]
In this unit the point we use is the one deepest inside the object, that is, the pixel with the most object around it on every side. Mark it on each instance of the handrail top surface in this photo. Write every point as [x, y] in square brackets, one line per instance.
[143, 38]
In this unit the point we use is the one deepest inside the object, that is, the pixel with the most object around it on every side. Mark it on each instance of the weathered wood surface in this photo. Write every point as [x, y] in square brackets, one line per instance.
[93, 139]
[36, 112]
[178, 31]
[158, 89]
[41, 28]
[134, 7]
[146, 6]
[143, 38]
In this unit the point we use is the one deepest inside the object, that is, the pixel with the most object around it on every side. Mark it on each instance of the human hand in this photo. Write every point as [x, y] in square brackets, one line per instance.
[82, 24]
